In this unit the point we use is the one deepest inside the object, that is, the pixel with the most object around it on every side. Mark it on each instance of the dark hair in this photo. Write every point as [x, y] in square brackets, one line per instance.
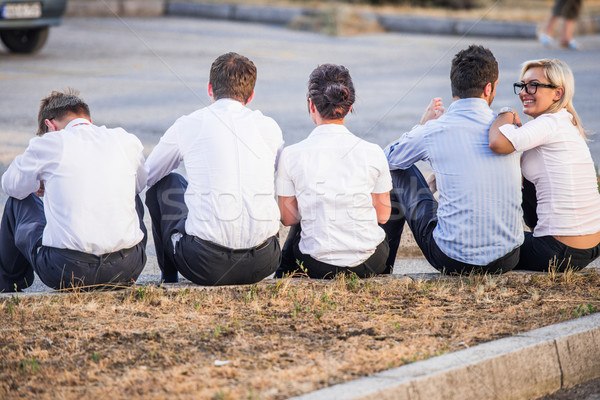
[472, 69]
[331, 90]
[232, 76]
[57, 104]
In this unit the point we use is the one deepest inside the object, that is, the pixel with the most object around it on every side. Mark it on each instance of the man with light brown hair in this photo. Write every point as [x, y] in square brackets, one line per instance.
[88, 228]
[218, 226]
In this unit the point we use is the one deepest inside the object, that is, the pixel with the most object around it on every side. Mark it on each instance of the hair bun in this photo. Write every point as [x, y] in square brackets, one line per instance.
[337, 94]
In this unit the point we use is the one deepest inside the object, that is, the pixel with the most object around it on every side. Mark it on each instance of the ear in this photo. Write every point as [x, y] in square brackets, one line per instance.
[559, 93]
[50, 125]
[250, 98]
[488, 89]
[311, 106]
[210, 90]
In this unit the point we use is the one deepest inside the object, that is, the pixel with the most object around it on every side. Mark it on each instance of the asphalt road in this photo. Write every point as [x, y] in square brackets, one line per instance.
[142, 74]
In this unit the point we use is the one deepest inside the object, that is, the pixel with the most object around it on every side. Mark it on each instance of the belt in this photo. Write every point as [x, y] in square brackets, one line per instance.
[92, 258]
[230, 250]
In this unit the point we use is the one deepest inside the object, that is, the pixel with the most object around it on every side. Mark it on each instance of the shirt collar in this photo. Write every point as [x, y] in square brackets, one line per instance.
[329, 129]
[78, 121]
[228, 103]
[469, 104]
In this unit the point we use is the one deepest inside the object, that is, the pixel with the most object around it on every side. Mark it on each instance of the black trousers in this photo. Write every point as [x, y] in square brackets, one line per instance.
[413, 203]
[201, 261]
[22, 253]
[544, 252]
[292, 258]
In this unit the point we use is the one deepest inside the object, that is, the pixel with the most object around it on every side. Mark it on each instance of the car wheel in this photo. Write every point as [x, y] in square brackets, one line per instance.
[24, 40]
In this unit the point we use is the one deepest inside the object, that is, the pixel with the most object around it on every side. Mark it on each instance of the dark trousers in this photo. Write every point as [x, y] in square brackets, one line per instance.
[22, 253]
[201, 261]
[413, 203]
[541, 253]
[292, 258]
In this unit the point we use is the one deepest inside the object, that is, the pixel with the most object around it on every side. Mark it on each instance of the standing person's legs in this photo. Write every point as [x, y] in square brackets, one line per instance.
[21, 232]
[570, 13]
[168, 212]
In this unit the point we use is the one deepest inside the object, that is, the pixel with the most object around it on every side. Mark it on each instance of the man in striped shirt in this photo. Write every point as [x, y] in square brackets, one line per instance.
[476, 226]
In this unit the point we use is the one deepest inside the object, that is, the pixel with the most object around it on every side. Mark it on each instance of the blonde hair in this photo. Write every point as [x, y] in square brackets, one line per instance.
[558, 74]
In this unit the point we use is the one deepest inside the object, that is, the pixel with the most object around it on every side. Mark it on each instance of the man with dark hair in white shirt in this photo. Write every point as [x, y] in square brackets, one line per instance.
[218, 227]
[88, 229]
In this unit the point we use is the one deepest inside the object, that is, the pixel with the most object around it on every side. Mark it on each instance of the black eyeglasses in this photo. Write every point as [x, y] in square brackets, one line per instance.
[530, 87]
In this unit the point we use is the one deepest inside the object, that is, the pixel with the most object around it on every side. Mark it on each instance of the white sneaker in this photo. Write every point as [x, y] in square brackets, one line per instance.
[573, 45]
[545, 39]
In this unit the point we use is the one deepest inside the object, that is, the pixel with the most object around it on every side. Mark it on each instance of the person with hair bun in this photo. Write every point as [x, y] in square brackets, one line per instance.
[333, 189]
[561, 202]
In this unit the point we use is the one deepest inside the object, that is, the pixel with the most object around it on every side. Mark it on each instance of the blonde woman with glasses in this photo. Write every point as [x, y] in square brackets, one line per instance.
[561, 202]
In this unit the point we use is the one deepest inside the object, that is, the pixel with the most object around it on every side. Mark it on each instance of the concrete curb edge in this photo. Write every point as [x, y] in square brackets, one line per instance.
[524, 366]
[392, 23]
[284, 15]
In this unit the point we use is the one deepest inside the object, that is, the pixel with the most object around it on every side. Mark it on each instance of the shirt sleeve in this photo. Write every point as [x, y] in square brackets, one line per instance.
[532, 134]
[25, 172]
[141, 177]
[407, 150]
[165, 157]
[384, 181]
[284, 185]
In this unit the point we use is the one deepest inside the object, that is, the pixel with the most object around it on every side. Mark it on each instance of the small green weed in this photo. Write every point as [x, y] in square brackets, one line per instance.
[141, 293]
[583, 310]
[219, 330]
[29, 365]
[95, 357]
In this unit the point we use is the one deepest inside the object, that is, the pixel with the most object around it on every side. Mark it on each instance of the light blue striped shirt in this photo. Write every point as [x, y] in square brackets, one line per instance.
[479, 211]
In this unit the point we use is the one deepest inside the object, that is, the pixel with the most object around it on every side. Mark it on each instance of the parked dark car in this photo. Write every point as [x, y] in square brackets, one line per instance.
[24, 24]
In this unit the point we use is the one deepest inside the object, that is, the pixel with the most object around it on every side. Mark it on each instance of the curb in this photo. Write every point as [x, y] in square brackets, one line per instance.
[525, 366]
[392, 23]
[284, 15]
[110, 8]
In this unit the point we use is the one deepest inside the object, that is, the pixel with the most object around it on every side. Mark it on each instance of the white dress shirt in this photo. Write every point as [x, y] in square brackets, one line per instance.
[332, 174]
[229, 153]
[91, 176]
[558, 162]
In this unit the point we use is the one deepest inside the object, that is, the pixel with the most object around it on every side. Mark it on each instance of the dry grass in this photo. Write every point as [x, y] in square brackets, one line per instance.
[280, 338]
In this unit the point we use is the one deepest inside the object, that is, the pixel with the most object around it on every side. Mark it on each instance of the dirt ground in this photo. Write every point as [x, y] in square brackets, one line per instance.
[272, 340]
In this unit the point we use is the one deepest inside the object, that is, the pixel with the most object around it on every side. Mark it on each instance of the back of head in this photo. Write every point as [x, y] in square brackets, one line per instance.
[58, 104]
[232, 76]
[472, 69]
[331, 90]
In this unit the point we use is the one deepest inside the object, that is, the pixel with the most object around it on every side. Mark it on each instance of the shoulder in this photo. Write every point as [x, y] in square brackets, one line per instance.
[125, 138]
[293, 149]
[548, 123]
[266, 123]
[47, 141]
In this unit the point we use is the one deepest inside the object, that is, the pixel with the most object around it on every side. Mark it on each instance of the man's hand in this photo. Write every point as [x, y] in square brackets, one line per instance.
[434, 110]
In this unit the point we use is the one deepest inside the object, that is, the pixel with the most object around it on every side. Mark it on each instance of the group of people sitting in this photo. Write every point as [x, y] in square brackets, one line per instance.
[75, 216]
